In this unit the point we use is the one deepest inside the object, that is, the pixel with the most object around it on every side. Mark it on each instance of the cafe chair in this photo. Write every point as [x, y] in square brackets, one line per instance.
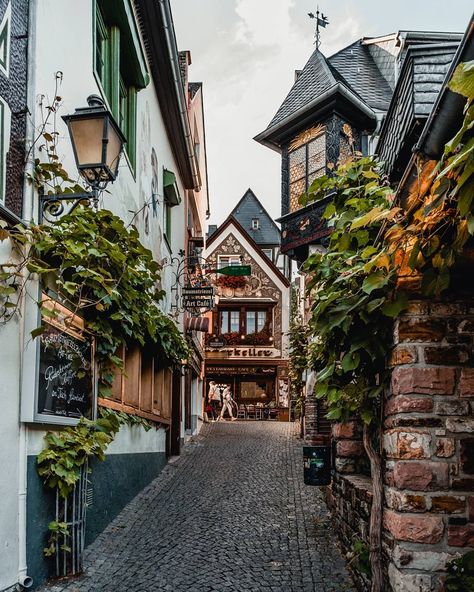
[258, 412]
[241, 412]
[251, 413]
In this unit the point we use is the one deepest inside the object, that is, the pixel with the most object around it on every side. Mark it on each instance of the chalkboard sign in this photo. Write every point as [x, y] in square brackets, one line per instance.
[66, 377]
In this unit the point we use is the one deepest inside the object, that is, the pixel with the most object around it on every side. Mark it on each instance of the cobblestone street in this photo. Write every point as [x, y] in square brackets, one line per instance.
[231, 514]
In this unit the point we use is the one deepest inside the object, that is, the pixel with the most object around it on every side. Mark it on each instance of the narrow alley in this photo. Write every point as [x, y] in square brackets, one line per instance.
[231, 514]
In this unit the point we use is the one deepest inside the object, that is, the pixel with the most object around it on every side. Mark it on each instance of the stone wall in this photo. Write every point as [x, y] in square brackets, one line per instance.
[428, 443]
[428, 448]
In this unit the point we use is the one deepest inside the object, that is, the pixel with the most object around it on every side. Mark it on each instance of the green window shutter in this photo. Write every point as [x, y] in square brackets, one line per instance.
[170, 188]
[114, 98]
[131, 135]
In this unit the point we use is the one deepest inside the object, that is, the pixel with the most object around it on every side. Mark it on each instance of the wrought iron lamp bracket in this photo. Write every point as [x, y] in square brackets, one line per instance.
[52, 205]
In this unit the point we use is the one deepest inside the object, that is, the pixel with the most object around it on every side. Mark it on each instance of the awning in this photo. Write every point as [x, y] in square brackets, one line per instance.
[197, 324]
[170, 187]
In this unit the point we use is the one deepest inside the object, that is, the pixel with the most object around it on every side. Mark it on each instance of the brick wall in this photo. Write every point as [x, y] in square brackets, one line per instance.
[428, 443]
[428, 446]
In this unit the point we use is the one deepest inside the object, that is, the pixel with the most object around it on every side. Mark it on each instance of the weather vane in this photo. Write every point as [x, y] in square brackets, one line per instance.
[321, 21]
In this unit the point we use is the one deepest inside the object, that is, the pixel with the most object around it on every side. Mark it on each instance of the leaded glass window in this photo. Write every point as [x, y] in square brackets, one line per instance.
[306, 163]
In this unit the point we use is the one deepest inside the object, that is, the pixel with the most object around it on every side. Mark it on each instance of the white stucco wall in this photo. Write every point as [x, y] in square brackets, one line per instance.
[9, 443]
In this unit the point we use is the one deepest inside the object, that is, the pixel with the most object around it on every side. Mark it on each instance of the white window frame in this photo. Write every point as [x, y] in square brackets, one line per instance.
[6, 22]
[228, 260]
[255, 223]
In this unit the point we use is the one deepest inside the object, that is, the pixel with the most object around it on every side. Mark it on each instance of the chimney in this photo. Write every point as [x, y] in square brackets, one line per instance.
[297, 74]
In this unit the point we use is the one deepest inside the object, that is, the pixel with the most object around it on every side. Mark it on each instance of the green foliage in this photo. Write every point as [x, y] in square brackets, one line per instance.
[362, 557]
[57, 530]
[298, 346]
[60, 462]
[440, 223]
[460, 577]
[100, 269]
[352, 290]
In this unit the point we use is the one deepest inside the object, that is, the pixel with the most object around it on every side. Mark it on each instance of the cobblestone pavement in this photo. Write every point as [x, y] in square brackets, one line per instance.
[231, 515]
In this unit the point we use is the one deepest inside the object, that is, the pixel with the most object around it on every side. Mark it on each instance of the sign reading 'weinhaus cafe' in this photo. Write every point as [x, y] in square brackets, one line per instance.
[195, 298]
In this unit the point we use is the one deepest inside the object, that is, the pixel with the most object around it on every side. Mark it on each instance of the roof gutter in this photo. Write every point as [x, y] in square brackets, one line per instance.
[263, 137]
[183, 108]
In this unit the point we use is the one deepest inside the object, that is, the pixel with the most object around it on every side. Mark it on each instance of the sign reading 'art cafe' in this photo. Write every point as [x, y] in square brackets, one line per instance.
[194, 298]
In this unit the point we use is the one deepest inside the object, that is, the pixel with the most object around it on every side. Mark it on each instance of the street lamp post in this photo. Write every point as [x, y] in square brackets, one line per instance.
[97, 144]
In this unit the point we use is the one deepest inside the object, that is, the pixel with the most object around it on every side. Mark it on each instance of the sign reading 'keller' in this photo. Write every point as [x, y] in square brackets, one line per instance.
[66, 378]
[198, 297]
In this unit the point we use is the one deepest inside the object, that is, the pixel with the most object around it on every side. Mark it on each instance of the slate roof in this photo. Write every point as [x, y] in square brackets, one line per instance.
[250, 207]
[315, 79]
[356, 64]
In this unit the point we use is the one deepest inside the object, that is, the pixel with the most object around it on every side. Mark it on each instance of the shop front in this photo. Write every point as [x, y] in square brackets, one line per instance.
[253, 385]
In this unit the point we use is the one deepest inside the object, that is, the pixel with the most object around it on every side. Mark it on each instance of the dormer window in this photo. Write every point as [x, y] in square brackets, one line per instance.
[307, 160]
[255, 223]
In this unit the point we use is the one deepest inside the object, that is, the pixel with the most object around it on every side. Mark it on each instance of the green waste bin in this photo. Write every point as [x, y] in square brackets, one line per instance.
[317, 465]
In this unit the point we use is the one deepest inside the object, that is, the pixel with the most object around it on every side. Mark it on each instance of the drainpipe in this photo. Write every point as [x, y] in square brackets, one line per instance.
[183, 108]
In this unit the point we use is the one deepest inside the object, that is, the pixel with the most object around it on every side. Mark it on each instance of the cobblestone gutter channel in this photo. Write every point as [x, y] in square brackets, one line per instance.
[231, 514]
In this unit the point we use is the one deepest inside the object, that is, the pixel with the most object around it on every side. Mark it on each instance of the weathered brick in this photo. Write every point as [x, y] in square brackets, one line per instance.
[423, 381]
[448, 504]
[467, 455]
[405, 421]
[446, 356]
[420, 560]
[421, 329]
[456, 407]
[417, 307]
[466, 383]
[408, 581]
[405, 502]
[350, 448]
[470, 507]
[345, 465]
[407, 404]
[403, 354]
[463, 484]
[445, 447]
[447, 308]
[407, 444]
[421, 476]
[461, 536]
[346, 430]
[417, 529]
[460, 425]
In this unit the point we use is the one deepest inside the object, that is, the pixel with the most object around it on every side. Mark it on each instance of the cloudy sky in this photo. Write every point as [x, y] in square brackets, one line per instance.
[245, 52]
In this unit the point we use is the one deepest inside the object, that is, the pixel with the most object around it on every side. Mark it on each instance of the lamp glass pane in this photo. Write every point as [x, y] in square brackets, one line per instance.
[86, 136]
[114, 149]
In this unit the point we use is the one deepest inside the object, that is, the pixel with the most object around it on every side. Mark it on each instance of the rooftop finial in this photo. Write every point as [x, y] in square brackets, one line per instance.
[321, 21]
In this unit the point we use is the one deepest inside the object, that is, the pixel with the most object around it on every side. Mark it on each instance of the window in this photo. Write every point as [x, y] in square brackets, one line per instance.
[167, 217]
[230, 321]
[226, 260]
[268, 253]
[5, 42]
[306, 163]
[119, 65]
[255, 223]
[255, 321]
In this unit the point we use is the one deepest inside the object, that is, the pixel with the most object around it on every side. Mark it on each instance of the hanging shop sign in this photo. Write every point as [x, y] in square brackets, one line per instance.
[216, 342]
[194, 298]
[66, 381]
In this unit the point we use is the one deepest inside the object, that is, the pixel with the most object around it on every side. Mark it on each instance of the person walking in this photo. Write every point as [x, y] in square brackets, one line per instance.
[214, 399]
[227, 396]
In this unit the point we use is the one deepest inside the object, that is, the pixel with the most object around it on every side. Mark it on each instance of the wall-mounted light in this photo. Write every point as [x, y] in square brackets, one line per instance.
[97, 143]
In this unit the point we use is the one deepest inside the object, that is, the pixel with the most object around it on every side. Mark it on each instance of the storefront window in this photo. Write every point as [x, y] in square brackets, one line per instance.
[254, 390]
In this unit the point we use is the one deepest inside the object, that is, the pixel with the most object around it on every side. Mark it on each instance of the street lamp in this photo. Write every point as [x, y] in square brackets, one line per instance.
[97, 143]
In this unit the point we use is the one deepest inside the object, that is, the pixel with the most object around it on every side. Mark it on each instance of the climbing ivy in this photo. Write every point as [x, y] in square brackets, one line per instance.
[60, 462]
[98, 267]
[298, 349]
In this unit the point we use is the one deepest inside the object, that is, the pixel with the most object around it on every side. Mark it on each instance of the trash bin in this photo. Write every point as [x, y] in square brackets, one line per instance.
[317, 465]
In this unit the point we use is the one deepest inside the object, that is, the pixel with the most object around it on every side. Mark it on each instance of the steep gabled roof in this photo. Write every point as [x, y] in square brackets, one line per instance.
[231, 221]
[356, 64]
[250, 207]
[315, 79]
